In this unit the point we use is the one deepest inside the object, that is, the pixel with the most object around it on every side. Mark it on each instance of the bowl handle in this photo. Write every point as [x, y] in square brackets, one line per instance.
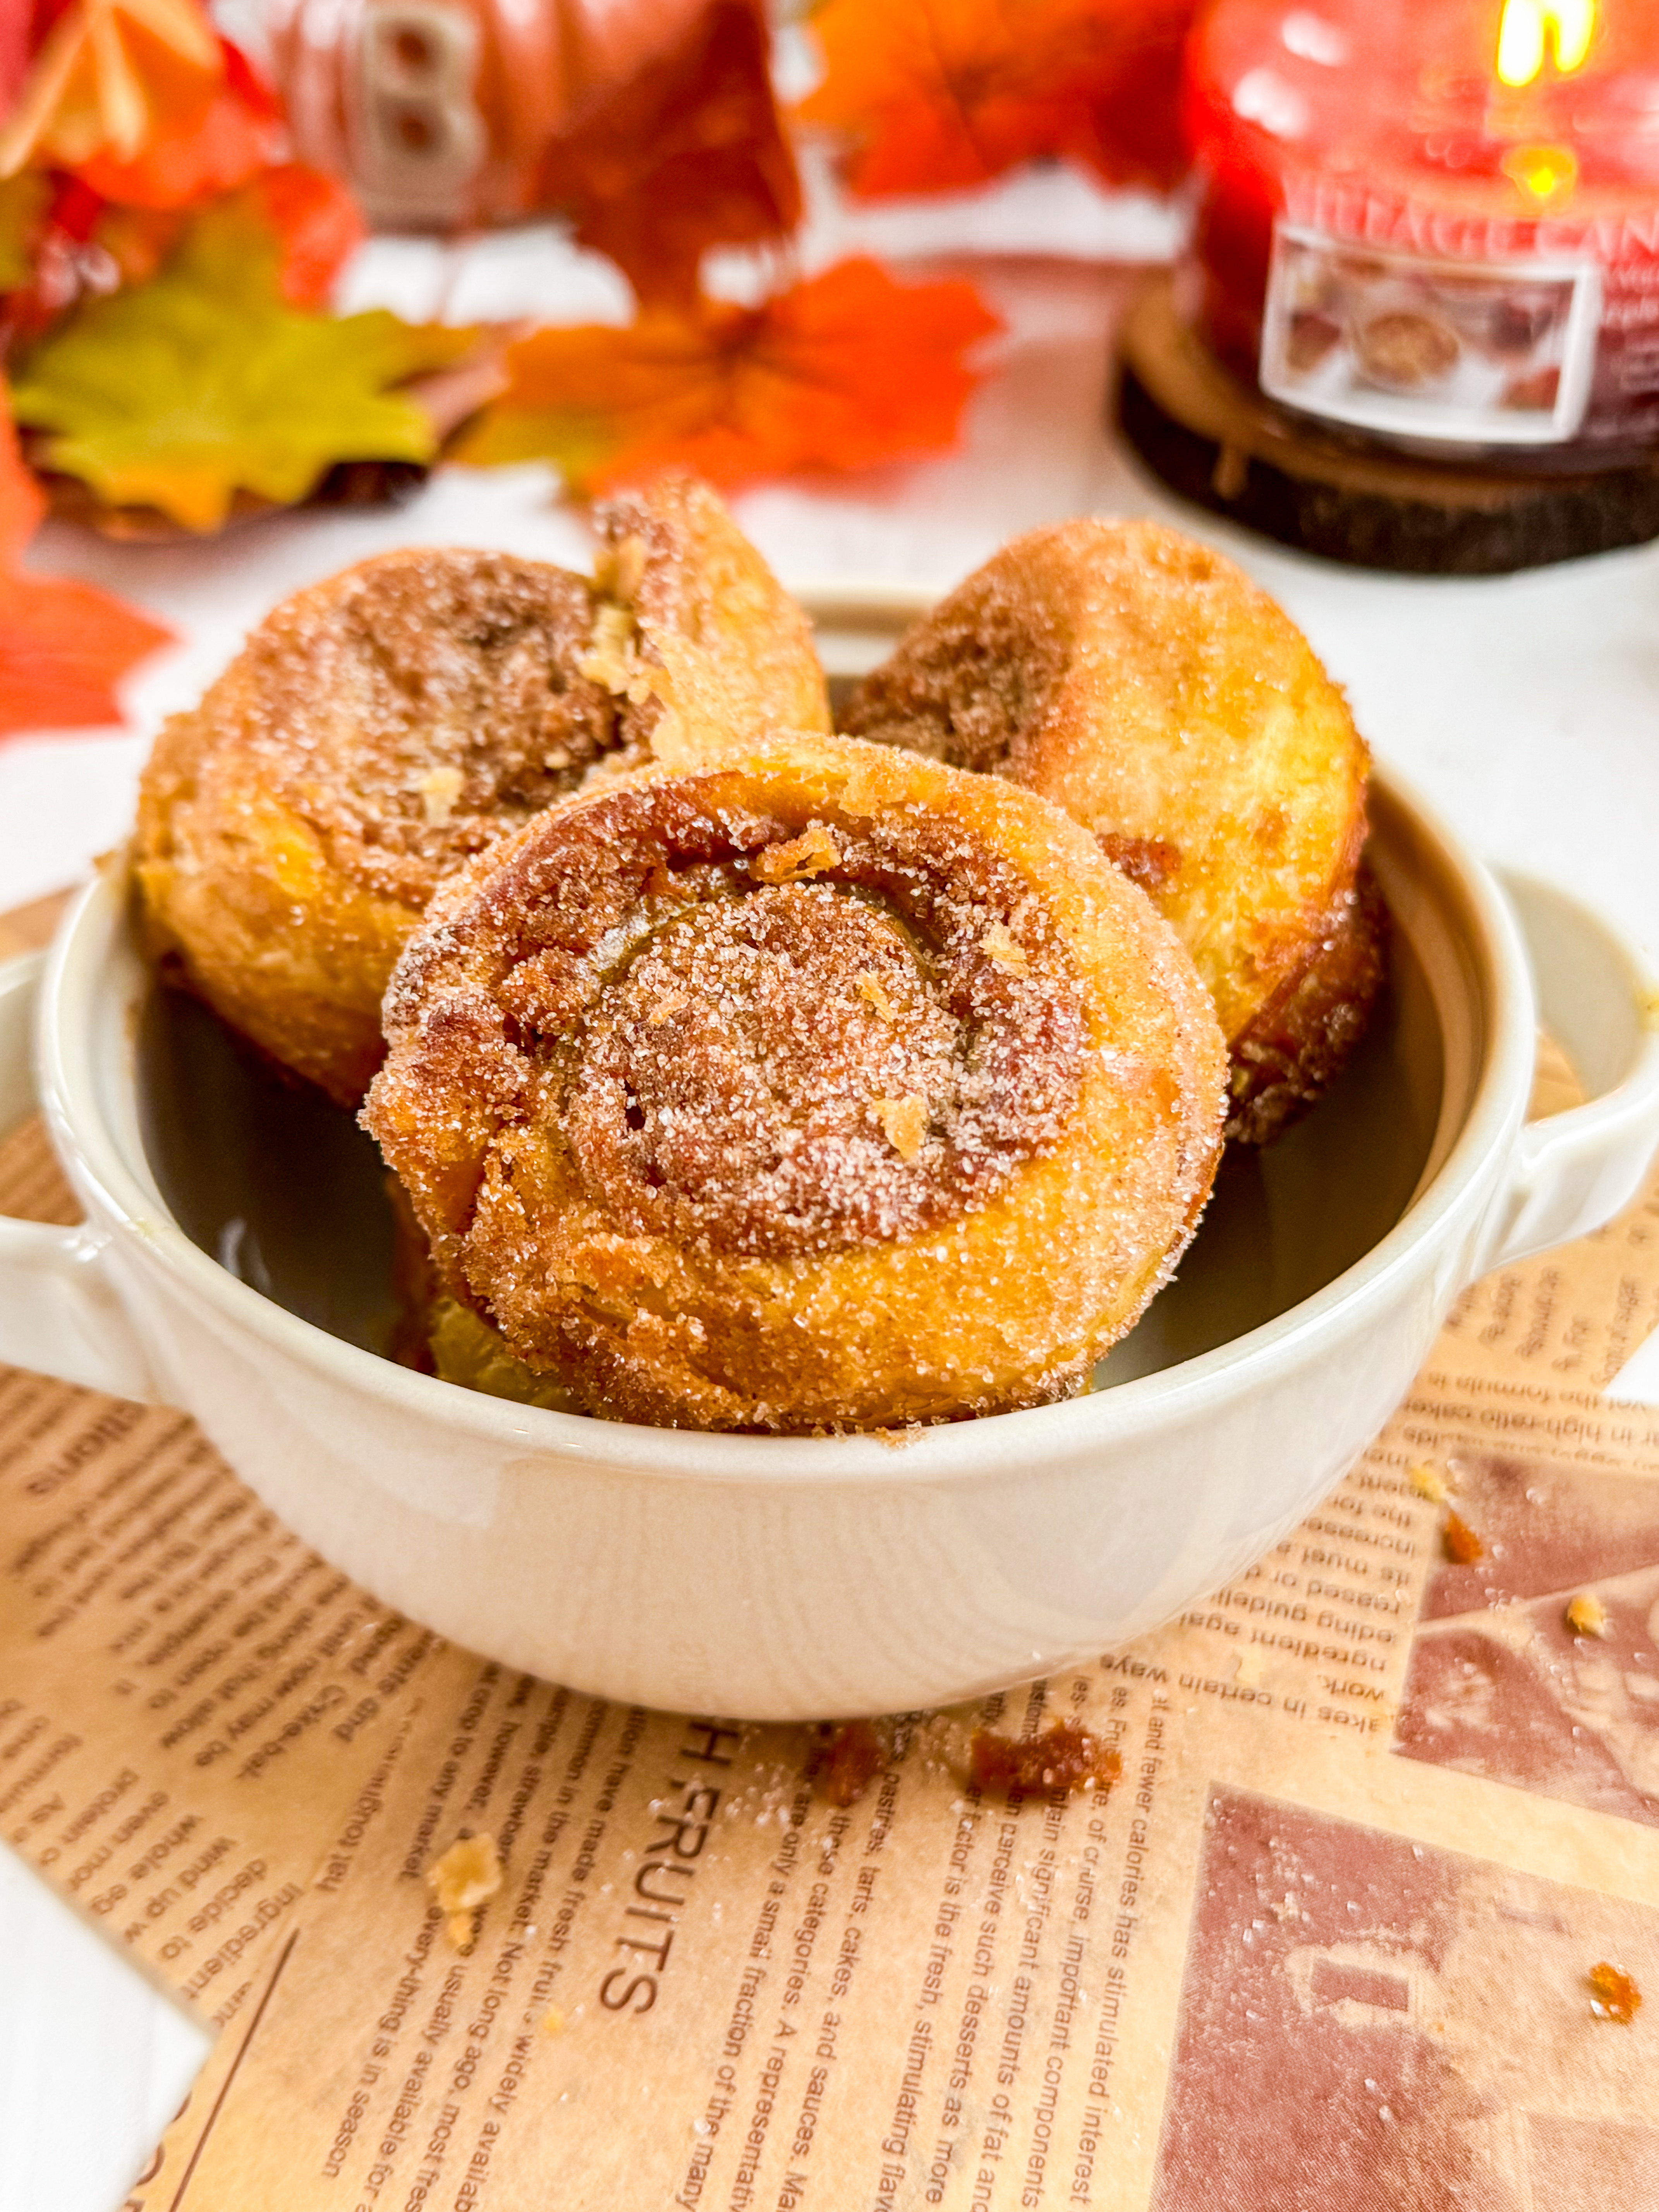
[59, 1312]
[1575, 1172]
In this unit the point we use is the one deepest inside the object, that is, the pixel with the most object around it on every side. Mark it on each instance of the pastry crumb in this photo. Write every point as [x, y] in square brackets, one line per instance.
[903, 1123]
[462, 1879]
[1587, 1616]
[618, 568]
[1614, 1995]
[552, 2021]
[1063, 1757]
[1428, 1482]
[999, 944]
[809, 854]
[612, 658]
[851, 1764]
[873, 992]
[897, 1439]
[440, 788]
[1461, 1546]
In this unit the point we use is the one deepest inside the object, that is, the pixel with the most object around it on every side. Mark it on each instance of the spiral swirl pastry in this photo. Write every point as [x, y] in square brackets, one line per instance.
[1144, 684]
[379, 729]
[825, 1087]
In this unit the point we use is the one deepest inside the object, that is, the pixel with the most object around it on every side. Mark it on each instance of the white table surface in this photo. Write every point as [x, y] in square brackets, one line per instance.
[1527, 708]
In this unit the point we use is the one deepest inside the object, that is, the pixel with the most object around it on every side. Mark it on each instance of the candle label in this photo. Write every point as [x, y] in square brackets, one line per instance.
[1449, 352]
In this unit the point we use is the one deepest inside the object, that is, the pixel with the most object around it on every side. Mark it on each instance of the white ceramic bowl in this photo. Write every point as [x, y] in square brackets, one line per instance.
[799, 1578]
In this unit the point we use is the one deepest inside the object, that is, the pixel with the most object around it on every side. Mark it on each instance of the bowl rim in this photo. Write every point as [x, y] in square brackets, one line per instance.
[85, 959]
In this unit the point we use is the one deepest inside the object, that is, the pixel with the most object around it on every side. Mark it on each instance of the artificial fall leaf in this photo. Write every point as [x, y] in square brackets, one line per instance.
[687, 152]
[937, 95]
[844, 371]
[23, 202]
[317, 226]
[110, 74]
[227, 136]
[176, 393]
[63, 645]
[22, 503]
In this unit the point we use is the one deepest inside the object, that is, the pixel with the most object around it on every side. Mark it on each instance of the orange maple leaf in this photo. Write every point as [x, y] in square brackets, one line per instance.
[937, 95]
[844, 371]
[227, 136]
[63, 646]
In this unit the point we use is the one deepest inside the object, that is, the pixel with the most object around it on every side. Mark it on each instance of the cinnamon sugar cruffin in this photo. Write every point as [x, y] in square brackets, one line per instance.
[380, 728]
[1140, 681]
[637, 1078]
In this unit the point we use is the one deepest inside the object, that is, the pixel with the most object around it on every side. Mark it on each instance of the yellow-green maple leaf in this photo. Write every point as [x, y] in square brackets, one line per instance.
[177, 393]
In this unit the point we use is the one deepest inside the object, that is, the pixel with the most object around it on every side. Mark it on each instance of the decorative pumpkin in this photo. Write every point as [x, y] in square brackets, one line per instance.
[651, 123]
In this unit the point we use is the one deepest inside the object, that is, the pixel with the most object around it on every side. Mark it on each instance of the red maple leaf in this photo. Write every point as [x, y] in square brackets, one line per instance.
[846, 370]
[63, 646]
[937, 95]
[687, 152]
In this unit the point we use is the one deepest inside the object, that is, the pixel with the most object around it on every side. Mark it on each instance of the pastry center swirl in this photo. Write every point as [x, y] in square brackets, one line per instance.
[777, 1073]
[775, 1068]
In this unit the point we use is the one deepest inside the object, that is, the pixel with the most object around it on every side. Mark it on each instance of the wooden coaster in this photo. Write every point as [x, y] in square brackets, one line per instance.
[1227, 448]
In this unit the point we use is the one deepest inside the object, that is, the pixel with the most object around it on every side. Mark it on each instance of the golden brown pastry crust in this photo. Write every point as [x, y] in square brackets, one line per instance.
[375, 731]
[1143, 683]
[825, 1087]
[721, 639]
[380, 728]
[1297, 1045]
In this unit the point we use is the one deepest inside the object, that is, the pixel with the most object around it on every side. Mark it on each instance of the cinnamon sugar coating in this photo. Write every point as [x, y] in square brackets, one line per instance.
[1143, 683]
[822, 1087]
[381, 727]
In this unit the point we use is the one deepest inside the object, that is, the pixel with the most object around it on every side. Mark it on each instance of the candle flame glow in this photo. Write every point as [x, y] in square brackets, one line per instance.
[1543, 171]
[1527, 26]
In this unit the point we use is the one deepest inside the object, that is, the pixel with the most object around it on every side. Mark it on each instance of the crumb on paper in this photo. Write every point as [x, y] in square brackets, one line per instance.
[465, 1876]
[1063, 1757]
[1461, 1546]
[809, 854]
[1428, 1482]
[903, 1123]
[1614, 1995]
[873, 992]
[440, 788]
[851, 1764]
[999, 944]
[1587, 1616]
[552, 2021]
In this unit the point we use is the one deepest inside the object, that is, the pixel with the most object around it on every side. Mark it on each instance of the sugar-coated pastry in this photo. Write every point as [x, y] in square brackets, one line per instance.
[380, 728]
[1143, 683]
[704, 622]
[824, 1087]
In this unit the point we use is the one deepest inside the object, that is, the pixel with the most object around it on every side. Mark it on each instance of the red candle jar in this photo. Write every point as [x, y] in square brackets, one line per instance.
[1435, 222]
